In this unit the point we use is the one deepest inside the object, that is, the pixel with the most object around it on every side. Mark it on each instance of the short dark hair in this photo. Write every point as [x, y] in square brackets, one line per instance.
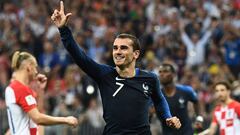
[136, 42]
[225, 83]
[165, 65]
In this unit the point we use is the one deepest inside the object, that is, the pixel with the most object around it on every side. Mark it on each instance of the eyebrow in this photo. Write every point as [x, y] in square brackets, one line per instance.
[121, 46]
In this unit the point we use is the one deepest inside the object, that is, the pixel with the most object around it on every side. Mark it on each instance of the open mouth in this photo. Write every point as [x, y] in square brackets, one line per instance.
[119, 58]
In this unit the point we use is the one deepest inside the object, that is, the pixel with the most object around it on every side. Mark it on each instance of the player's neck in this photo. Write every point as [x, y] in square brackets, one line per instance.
[169, 89]
[126, 72]
[228, 101]
[21, 76]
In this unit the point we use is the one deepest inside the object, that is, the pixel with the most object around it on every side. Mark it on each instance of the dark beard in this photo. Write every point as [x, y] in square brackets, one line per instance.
[122, 67]
[166, 83]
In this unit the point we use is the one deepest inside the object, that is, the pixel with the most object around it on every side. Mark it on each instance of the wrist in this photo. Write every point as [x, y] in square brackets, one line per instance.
[65, 120]
[62, 27]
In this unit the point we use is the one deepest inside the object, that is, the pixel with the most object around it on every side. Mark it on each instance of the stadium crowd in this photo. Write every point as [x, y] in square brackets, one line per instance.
[200, 37]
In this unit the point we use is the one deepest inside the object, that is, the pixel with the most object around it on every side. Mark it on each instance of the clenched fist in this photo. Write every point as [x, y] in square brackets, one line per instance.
[173, 122]
[72, 121]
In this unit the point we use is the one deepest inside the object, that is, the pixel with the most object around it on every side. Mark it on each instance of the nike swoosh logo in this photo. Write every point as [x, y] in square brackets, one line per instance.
[119, 79]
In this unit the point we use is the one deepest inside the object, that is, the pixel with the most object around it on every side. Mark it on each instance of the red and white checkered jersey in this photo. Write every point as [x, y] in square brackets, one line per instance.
[228, 118]
[19, 100]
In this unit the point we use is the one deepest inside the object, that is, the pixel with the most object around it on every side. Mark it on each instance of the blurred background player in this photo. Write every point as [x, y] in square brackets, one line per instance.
[226, 115]
[178, 97]
[23, 114]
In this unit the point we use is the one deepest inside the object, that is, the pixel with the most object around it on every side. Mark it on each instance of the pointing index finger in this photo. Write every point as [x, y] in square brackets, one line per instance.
[61, 6]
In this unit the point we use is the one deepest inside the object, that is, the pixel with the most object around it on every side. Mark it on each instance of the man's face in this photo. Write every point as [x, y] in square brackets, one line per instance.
[32, 68]
[166, 75]
[123, 54]
[221, 92]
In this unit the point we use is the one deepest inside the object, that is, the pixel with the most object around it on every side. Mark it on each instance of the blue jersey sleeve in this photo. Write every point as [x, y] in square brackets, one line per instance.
[89, 66]
[191, 93]
[160, 103]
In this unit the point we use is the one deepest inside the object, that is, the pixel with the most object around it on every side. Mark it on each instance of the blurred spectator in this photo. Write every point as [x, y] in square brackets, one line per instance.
[236, 90]
[195, 46]
[49, 59]
[93, 123]
[3, 117]
[231, 43]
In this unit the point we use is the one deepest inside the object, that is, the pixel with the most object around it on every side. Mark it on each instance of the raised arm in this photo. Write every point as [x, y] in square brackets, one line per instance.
[88, 65]
[185, 38]
[203, 41]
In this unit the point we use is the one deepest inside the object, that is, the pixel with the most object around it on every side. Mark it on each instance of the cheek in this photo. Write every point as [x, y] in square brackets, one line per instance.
[113, 53]
[220, 94]
[129, 55]
[34, 70]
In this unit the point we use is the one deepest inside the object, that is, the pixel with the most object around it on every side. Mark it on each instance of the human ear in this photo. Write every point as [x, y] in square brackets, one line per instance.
[136, 53]
[28, 68]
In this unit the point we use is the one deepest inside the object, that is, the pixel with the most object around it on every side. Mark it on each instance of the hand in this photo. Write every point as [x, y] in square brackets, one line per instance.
[72, 121]
[173, 122]
[41, 81]
[59, 18]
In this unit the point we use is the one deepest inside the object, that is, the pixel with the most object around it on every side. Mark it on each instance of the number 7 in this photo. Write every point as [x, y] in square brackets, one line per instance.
[120, 87]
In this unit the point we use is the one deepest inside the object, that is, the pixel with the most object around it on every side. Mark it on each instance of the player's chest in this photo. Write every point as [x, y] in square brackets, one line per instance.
[129, 88]
[225, 114]
[178, 101]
